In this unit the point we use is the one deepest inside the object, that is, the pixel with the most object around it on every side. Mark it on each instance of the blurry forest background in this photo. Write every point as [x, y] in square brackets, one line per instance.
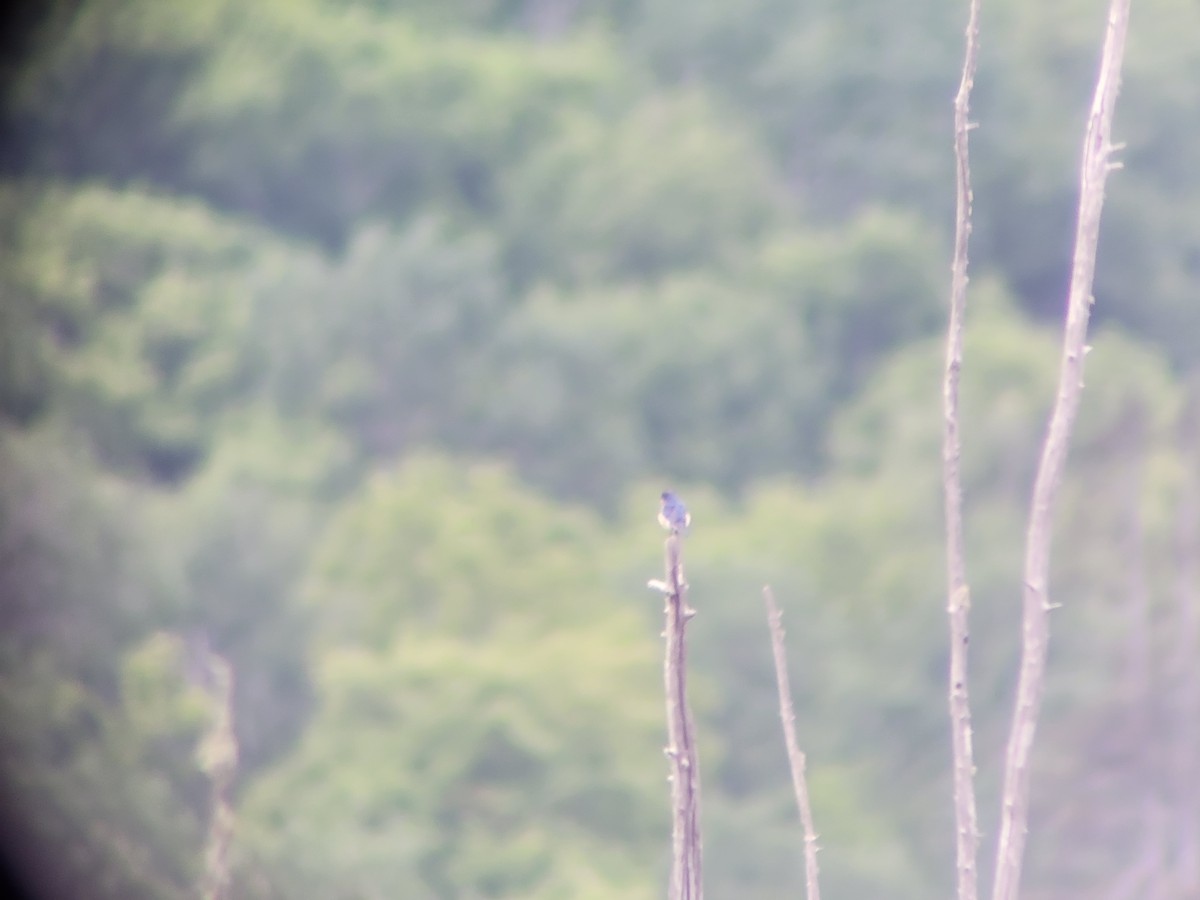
[359, 336]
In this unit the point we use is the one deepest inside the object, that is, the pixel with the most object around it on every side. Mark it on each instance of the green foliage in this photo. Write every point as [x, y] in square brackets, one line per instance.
[693, 377]
[667, 185]
[1036, 112]
[25, 369]
[138, 318]
[442, 768]
[715, 377]
[244, 527]
[88, 783]
[854, 105]
[79, 792]
[476, 727]
[1005, 397]
[444, 546]
[80, 574]
[383, 342]
[384, 116]
[160, 703]
[861, 290]
[243, 104]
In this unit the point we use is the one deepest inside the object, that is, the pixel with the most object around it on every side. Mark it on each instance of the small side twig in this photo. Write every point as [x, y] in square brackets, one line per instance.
[787, 714]
[685, 881]
[959, 596]
[1094, 169]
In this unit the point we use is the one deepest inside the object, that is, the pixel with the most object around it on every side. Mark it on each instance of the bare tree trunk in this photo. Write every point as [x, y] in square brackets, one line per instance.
[1094, 168]
[685, 883]
[787, 715]
[958, 592]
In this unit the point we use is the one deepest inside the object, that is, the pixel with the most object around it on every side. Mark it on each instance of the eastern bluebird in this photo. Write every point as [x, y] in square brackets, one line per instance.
[673, 515]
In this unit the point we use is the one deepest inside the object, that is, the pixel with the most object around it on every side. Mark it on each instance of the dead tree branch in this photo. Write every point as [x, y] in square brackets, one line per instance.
[958, 592]
[1094, 168]
[685, 883]
[218, 755]
[787, 714]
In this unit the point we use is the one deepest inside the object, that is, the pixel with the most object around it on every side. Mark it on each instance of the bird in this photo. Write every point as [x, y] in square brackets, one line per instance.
[672, 514]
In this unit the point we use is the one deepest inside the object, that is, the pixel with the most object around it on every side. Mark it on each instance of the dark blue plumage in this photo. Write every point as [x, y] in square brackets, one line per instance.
[672, 514]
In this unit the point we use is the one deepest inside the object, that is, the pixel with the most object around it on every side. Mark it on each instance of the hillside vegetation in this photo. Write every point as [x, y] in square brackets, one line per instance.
[359, 336]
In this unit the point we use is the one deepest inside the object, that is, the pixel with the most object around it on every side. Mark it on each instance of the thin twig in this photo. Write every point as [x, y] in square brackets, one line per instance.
[685, 883]
[1094, 168]
[958, 593]
[787, 714]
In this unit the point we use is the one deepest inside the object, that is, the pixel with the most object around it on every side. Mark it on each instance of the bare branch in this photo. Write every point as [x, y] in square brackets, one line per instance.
[685, 883]
[218, 754]
[1094, 168]
[787, 715]
[958, 593]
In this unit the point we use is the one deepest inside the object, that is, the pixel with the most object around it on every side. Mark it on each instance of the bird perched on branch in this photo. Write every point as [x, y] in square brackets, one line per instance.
[673, 515]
